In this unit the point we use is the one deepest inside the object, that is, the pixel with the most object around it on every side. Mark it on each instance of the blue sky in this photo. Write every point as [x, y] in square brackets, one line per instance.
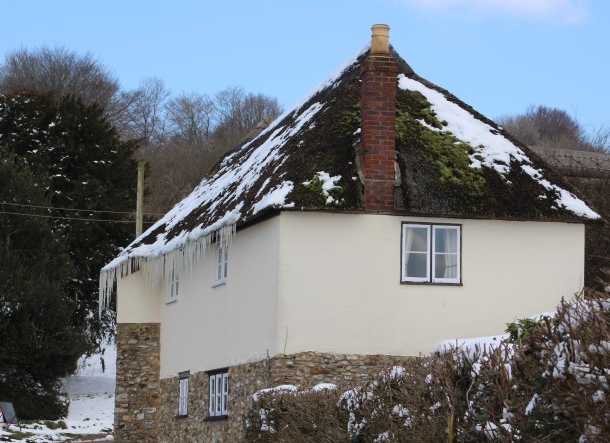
[499, 56]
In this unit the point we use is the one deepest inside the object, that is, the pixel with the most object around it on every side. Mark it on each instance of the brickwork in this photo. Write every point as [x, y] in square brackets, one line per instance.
[137, 398]
[303, 370]
[378, 97]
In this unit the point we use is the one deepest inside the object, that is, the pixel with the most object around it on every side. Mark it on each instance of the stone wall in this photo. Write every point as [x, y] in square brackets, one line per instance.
[308, 369]
[304, 370]
[137, 398]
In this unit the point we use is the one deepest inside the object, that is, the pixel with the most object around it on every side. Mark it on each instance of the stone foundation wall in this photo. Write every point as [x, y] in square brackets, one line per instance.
[304, 370]
[244, 380]
[137, 398]
[308, 369]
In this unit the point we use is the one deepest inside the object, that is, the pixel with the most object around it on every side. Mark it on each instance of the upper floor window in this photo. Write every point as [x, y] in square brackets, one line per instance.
[222, 258]
[431, 253]
[173, 285]
[218, 393]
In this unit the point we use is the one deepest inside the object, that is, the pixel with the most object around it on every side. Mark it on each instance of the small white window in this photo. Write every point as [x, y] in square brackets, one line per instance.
[222, 258]
[183, 395]
[174, 284]
[431, 253]
[219, 394]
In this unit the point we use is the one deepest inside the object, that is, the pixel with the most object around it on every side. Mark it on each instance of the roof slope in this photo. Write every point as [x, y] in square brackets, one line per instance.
[453, 162]
[574, 163]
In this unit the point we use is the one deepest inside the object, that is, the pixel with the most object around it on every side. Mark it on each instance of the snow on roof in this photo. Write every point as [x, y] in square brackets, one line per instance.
[477, 170]
[492, 149]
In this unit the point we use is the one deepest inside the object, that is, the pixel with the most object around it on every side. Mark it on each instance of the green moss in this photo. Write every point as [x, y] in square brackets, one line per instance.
[55, 424]
[314, 188]
[350, 119]
[19, 435]
[439, 149]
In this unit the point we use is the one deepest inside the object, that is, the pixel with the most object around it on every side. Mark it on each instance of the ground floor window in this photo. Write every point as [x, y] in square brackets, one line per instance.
[218, 393]
[431, 253]
[183, 394]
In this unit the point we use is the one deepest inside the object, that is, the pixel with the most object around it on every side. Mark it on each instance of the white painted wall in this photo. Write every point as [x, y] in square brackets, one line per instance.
[211, 327]
[340, 287]
[135, 303]
[331, 283]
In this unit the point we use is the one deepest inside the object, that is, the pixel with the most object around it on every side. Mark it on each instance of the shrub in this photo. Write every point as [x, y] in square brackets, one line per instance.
[547, 382]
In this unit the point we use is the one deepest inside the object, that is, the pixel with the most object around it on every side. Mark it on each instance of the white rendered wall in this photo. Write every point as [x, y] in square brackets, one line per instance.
[340, 287]
[135, 303]
[211, 327]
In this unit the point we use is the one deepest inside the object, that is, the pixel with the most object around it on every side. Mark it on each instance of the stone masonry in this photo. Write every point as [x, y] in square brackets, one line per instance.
[137, 398]
[304, 370]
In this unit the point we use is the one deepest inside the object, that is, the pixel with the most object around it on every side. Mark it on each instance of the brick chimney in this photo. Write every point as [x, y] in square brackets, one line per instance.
[378, 110]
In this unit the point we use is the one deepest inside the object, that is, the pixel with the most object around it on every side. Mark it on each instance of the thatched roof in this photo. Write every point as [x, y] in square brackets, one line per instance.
[574, 163]
[452, 162]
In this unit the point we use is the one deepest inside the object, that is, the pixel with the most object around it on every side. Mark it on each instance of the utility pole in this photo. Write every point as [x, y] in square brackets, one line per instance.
[140, 199]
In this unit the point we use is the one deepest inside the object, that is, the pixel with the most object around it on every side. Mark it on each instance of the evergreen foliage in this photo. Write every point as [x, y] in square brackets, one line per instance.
[40, 341]
[71, 182]
[87, 168]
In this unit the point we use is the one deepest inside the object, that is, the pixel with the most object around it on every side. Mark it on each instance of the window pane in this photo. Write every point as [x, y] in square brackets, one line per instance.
[446, 253]
[445, 239]
[445, 266]
[218, 394]
[417, 239]
[225, 261]
[219, 273]
[417, 265]
[183, 396]
[416, 248]
[212, 395]
[225, 392]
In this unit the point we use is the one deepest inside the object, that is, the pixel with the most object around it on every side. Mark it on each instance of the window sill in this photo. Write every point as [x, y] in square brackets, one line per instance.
[429, 283]
[181, 417]
[219, 283]
[169, 302]
[216, 418]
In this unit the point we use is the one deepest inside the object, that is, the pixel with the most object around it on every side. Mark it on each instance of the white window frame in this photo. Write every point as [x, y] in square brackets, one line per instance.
[222, 260]
[218, 394]
[431, 253]
[174, 285]
[183, 394]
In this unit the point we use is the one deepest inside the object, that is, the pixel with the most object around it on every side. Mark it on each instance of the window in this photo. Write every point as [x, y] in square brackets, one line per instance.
[173, 285]
[431, 253]
[219, 393]
[183, 394]
[221, 261]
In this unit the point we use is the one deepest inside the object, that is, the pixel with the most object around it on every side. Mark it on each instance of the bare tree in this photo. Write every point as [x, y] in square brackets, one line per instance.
[599, 138]
[239, 113]
[554, 128]
[198, 132]
[191, 117]
[145, 113]
[61, 72]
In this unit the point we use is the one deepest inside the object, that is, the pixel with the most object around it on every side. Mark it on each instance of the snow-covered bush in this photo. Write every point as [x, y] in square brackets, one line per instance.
[285, 414]
[548, 382]
[562, 371]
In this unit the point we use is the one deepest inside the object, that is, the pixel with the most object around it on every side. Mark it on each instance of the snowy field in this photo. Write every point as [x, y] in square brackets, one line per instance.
[91, 412]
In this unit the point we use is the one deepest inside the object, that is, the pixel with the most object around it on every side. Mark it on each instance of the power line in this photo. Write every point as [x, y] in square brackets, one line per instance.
[66, 218]
[71, 218]
[71, 209]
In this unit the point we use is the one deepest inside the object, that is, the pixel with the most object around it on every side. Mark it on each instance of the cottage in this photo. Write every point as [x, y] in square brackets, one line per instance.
[377, 218]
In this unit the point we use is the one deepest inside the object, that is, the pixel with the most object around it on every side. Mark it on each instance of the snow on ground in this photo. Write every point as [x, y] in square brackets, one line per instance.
[91, 392]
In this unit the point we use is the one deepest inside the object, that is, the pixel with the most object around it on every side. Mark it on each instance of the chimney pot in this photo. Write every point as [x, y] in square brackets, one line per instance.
[380, 39]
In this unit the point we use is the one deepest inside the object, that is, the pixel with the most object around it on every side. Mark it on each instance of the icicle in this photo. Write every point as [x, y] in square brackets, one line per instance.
[158, 270]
